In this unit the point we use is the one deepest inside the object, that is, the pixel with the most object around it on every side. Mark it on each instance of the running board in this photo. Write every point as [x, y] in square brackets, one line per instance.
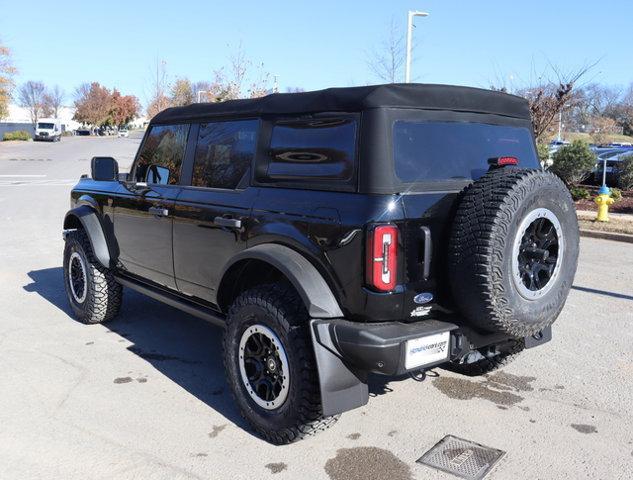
[173, 300]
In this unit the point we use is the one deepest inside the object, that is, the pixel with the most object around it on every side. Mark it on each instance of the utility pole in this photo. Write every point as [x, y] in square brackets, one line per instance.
[407, 74]
[560, 123]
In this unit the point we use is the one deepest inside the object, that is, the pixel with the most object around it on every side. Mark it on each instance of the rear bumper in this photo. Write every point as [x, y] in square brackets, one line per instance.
[377, 348]
[346, 352]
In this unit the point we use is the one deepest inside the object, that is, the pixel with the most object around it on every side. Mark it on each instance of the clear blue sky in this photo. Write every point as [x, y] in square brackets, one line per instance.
[313, 44]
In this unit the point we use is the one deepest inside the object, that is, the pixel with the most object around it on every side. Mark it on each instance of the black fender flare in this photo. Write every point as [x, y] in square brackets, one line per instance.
[309, 283]
[89, 221]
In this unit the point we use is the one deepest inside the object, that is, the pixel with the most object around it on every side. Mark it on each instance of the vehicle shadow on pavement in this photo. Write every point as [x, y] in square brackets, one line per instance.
[602, 292]
[185, 349]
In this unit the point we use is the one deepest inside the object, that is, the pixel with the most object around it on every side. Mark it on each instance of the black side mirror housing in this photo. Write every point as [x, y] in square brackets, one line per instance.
[104, 169]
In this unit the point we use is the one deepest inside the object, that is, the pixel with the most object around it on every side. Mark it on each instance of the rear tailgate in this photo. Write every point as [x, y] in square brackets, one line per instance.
[435, 160]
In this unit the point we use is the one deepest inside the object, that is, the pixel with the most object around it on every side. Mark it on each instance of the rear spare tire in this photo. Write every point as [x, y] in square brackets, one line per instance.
[513, 251]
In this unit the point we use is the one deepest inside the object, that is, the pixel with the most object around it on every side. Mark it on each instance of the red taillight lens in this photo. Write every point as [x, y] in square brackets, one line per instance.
[502, 161]
[382, 257]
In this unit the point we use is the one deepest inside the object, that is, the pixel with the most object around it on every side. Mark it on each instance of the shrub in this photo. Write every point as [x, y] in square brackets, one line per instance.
[626, 173]
[579, 193]
[17, 135]
[616, 194]
[542, 151]
[573, 162]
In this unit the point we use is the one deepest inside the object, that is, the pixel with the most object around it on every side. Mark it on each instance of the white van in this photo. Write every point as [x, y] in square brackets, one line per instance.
[48, 129]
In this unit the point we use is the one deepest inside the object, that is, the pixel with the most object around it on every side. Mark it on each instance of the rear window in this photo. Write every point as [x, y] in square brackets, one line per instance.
[456, 150]
[312, 150]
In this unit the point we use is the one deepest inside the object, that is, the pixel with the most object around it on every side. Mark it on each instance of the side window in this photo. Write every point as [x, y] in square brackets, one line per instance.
[319, 149]
[161, 155]
[224, 152]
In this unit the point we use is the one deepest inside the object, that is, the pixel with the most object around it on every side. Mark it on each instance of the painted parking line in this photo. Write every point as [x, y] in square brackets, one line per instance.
[22, 176]
[37, 183]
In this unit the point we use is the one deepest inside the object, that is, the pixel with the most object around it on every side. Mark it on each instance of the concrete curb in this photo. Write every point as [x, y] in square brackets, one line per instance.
[617, 237]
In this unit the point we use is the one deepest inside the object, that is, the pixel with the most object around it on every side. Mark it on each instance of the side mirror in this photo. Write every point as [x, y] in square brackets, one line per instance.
[104, 169]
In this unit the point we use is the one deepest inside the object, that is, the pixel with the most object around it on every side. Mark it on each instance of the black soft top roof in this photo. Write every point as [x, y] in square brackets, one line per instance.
[356, 99]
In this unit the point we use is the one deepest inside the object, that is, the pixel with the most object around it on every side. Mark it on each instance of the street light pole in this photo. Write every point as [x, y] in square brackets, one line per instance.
[407, 72]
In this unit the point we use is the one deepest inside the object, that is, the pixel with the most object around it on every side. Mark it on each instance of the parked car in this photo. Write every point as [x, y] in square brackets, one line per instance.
[334, 234]
[48, 129]
[123, 132]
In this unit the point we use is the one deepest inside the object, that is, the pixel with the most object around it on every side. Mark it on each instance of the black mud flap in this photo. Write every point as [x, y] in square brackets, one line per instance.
[341, 389]
[539, 338]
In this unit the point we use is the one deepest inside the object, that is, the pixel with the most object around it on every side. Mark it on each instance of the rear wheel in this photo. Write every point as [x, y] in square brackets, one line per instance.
[270, 364]
[93, 293]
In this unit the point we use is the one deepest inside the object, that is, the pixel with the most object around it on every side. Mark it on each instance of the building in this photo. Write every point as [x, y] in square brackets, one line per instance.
[20, 119]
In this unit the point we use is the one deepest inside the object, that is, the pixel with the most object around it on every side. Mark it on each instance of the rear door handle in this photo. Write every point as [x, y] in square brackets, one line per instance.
[227, 222]
[428, 252]
[158, 211]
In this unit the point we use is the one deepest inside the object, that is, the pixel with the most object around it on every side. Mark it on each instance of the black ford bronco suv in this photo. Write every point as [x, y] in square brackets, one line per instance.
[333, 234]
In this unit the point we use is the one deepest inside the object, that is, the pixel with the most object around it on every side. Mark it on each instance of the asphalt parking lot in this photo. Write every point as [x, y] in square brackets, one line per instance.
[144, 397]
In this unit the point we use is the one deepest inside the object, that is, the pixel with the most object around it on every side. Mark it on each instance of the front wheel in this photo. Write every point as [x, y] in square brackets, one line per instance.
[93, 293]
[270, 364]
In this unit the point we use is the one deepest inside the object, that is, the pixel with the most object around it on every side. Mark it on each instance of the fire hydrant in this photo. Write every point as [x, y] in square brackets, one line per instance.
[603, 200]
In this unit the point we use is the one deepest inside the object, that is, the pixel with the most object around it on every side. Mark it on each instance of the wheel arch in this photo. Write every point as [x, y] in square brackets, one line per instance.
[86, 217]
[276, 262]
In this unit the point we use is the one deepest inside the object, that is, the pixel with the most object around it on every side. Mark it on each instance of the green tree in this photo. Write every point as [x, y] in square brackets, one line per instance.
[573, 162]
[626, 173]
[182, 93]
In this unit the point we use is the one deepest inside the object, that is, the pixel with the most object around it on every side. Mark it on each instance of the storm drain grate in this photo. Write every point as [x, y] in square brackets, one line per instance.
[461, 457]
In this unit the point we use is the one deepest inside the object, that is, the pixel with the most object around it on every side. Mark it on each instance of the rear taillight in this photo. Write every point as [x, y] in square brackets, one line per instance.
[503, 161]
[382, 257]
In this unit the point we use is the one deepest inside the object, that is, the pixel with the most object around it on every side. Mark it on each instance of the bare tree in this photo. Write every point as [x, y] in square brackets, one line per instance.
[387, 60]
[159, 100]
[554, 91]
[242, 79]
[31, 96]
[53, 100]
[7, 72]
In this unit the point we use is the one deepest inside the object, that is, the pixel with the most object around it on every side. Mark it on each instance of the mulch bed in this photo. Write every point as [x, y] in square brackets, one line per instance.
[624, 205]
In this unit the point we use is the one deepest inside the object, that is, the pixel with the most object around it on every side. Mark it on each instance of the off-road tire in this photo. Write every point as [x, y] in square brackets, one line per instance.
[279, 308]
[104, 294]
[488, 364]
[485, 230]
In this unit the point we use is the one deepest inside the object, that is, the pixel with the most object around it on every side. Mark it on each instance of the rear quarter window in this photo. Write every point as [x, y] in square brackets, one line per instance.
[311, 153]
[427, 151]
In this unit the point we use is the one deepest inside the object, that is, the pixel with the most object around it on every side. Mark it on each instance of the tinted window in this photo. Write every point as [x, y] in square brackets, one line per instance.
[316, 149]
[456, 151]
[47, 126]
[161, 155]
[224, 153]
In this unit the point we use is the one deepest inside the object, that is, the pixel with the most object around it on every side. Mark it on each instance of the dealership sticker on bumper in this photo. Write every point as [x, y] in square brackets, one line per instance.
[427, 350]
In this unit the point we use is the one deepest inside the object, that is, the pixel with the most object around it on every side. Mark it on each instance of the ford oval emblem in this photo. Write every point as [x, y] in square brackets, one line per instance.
[422, 298]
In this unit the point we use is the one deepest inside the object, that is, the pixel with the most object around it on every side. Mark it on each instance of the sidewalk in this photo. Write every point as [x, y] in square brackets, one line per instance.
[619, 228]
